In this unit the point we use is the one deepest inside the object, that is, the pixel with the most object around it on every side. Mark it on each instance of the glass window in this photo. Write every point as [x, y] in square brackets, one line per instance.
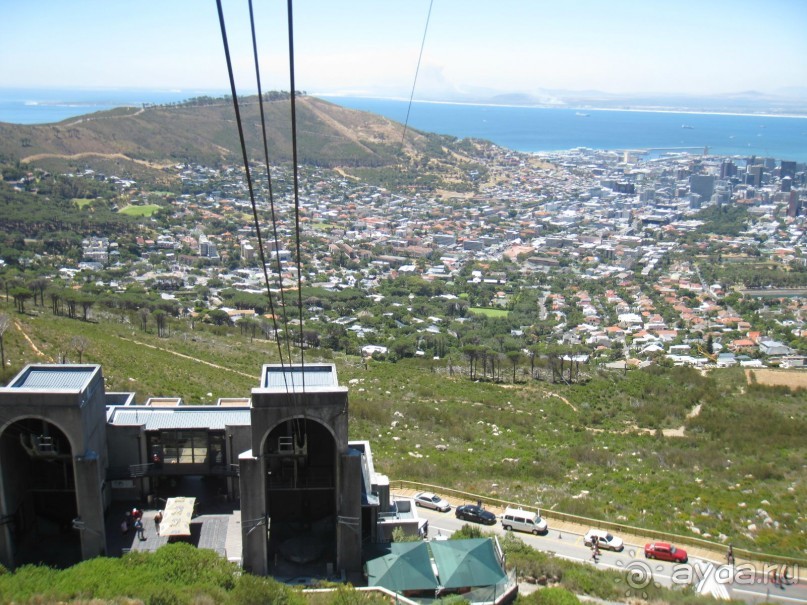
[184, 447]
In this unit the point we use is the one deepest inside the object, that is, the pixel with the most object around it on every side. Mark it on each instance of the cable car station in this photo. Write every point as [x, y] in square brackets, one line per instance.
[70, 453]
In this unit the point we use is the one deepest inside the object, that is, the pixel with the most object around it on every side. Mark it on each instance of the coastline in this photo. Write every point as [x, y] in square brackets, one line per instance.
[683, 111]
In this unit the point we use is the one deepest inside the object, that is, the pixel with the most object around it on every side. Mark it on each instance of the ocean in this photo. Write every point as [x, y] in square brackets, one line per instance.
[536, 129]
[528, 129]
[47, 106]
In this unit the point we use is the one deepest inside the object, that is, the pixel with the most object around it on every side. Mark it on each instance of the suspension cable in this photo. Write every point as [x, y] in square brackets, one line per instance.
[296, 185]
[246, 162]
[417, 70]
[271, 204]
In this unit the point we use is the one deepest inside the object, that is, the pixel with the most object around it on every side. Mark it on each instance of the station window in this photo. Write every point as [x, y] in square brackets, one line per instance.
[184, 447]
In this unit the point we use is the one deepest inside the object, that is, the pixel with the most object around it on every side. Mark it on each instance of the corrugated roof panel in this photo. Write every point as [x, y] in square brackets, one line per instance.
[55, 378]
[179, 419]
[296, 377]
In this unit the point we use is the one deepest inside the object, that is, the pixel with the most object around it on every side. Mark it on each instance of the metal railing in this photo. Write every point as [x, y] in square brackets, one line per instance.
[718, 548]
[139, 470]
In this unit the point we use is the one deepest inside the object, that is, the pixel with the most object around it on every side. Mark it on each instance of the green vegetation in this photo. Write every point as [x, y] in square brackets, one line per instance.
[179, 574]
[50, 222]
[130, 142]
[489, 312]
[175, 574]
[723, 219]
[145, 211]
[537, 443]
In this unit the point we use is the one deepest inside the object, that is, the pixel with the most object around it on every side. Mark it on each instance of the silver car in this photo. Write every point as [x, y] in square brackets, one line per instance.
[433, 501]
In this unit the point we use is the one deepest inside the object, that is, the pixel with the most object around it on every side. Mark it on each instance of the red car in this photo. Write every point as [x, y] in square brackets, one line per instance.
[665, 551]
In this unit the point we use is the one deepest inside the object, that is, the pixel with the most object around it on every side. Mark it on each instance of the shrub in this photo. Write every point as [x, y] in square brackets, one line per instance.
[549, 596]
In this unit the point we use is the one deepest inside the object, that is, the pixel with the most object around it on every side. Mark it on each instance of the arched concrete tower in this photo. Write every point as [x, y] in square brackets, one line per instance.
[52, 460]
[300, 483]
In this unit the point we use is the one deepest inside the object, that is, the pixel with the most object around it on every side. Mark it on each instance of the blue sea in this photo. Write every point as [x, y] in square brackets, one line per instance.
[47, 106]
[536, 129]
[529, 129]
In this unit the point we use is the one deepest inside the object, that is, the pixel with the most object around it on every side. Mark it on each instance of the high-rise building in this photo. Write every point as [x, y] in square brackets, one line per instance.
[794, 204]
[787, 168]
[727, 169]
[703, 185]
[753, 175]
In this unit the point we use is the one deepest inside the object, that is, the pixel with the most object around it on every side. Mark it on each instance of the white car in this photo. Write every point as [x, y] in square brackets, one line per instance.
[605, 540]
[433, 501]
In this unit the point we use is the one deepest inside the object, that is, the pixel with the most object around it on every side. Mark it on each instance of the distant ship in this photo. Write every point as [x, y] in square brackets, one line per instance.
[687, 126]
[581, 114]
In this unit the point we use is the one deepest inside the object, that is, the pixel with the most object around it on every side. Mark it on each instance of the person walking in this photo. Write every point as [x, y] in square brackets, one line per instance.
[730, 555]
[595, 549]
[141, 532]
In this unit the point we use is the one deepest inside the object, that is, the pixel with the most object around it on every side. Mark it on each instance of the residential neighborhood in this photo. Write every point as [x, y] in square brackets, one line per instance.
[626, 258]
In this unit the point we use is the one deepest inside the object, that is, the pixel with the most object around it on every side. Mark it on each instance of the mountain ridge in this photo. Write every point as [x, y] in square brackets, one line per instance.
[204, 131]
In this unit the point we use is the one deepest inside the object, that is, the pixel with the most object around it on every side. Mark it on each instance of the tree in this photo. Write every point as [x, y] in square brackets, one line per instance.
[79, 344]
[20, 295]
[161, 317]
[39, 285]
[471, 352]
[143, 315]
[5, 324]
[86, 303]
[310, 338]
[515, 358]
[219, 317]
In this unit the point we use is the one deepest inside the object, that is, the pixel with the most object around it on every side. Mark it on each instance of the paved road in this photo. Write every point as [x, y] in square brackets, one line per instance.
[710, 575]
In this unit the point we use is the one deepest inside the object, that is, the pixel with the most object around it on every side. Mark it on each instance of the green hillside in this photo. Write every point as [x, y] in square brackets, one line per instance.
[206, 133]
[596, 448]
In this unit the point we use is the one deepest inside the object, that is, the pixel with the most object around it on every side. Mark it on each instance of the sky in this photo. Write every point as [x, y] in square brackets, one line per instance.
[371, 47]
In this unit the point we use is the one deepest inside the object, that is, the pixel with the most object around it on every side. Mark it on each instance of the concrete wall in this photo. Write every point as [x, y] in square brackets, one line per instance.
[348, 527]
[127, 446]
[253, 510]
[80, 413]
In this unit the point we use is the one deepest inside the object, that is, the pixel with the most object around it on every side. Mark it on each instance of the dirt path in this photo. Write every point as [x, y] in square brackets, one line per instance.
[562, 398]
[31, 342]
[87, 154]
[196, 359]
[131, 115]
[677, 432]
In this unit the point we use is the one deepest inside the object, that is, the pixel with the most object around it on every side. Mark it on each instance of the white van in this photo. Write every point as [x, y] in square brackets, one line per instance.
[522, 520]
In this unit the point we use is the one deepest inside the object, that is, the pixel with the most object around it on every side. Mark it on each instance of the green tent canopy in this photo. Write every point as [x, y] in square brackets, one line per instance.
[407, 567]
[467, 563]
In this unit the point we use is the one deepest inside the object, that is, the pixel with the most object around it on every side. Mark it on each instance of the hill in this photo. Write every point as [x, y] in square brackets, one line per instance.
[204, 131]
[596, 449]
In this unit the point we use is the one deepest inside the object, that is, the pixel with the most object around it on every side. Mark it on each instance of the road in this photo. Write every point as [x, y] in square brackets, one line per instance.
[751, 588]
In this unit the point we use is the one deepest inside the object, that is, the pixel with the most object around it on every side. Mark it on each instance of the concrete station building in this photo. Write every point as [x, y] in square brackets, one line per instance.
[69, 451]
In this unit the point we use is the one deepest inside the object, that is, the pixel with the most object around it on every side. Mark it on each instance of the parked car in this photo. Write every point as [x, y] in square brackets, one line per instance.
[477, 514]
[522, 520]
[665, 551]
[605, 540]
[433, 501]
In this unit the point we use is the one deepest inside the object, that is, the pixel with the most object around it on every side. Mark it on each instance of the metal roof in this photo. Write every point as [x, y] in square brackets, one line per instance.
[294, 377]
[54, 378]
[156, 419]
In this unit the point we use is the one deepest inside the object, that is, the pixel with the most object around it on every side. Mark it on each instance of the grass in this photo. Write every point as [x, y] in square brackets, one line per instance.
[81, 202]
[489, 312]
[179, 573]
[145, 211]
[740, 463]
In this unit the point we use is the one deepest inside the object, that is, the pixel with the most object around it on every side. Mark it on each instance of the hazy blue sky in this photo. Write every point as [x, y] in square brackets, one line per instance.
[371, 46]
